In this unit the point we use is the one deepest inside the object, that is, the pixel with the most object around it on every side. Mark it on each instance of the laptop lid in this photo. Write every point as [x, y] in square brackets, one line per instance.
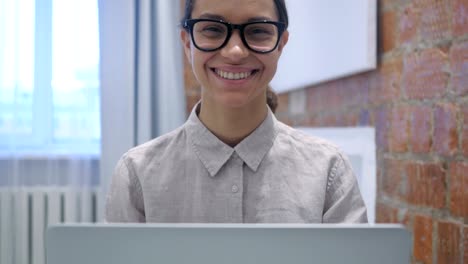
[227, 243]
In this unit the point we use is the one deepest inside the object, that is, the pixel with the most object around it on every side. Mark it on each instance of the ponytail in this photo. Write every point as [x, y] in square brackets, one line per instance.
[272, 99]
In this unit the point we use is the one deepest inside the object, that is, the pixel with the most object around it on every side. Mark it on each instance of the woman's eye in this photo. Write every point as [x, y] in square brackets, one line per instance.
[213, 30]
[260, 31]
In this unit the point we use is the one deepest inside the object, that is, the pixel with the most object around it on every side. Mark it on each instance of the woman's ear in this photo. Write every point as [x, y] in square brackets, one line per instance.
[185, 38]
[284, 40]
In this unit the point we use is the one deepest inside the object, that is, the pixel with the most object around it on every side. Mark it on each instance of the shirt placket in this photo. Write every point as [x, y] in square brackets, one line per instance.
[236, 189]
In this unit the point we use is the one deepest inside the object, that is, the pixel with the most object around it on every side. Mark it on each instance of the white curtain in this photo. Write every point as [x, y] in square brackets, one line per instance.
[142, 94]
[49, 93]
[49, 121]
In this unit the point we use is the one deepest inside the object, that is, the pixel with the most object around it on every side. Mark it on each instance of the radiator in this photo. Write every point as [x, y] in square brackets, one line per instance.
[25, 214]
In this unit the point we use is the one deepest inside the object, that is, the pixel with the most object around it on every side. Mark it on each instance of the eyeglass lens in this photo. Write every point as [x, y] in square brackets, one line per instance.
[210, 35]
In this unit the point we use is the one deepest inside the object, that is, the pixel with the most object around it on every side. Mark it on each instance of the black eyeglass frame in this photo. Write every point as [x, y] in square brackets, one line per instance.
[189, 24]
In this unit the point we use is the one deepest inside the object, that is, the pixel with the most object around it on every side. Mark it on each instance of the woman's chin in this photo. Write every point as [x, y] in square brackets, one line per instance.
[234, 101]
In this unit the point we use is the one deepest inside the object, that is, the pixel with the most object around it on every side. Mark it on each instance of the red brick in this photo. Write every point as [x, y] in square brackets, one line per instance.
[426, 184]
[424, 76]
[448, 250]
[464, 138]
[460, 17]
[459, 67]
[387, 29]
[399, 129]
[338, 94]
[388, 82]
[333, 98]
[382, 126]
[355, 89]
[459, 189]
[422, 242]
[392, 178]
[445, 129]
[435, 19]
[364, 118]
[313, 102]
[341, 93]
[404, 217]
[409, 24]
[283, 103]
[285, 119]
[315, 98]
[385, 214]
[364, 84]
[313, 120]
[420, 129]
[388, 214]
[465, 243]
[387, 4]
[329, 120]
[345, 118]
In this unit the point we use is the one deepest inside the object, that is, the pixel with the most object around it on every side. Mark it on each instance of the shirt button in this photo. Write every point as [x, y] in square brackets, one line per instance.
[234, 189]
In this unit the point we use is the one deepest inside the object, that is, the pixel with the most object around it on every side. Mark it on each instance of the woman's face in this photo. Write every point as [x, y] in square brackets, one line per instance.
[213, 69]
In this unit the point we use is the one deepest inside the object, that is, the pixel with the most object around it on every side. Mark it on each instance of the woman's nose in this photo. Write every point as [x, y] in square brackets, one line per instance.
[235, 48]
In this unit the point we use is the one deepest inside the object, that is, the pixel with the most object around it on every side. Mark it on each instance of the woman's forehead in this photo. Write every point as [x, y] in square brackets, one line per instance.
[235, 11]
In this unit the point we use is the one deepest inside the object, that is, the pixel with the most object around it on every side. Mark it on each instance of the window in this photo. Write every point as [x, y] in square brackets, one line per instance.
[49, 77]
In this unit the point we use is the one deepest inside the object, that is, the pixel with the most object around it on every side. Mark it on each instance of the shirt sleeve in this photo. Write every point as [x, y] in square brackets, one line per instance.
[343, 202]
[124, 202]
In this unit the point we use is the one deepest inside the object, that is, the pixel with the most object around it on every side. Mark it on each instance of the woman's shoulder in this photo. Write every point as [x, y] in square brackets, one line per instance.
[158, 148]
[306, 143]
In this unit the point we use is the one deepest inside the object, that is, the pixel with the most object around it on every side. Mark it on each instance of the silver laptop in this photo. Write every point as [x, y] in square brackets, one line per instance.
[227, 243]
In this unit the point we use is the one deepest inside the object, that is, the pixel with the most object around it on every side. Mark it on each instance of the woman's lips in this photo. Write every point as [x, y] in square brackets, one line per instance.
[234, 74]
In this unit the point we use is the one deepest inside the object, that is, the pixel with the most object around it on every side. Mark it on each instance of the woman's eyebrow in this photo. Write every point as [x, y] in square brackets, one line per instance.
[211, 16]
[219, 17]
[261, 18]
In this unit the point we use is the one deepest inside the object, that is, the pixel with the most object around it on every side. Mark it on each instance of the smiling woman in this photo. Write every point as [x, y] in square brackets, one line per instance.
[233, 161]
[238, 54]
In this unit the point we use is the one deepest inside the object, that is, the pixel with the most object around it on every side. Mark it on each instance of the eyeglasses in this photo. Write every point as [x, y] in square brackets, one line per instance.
[258, 36]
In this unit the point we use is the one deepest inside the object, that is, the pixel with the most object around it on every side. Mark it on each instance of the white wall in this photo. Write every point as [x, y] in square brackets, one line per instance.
[328, 40]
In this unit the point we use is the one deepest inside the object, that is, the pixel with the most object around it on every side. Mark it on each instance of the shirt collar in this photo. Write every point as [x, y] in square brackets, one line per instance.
[214, 153]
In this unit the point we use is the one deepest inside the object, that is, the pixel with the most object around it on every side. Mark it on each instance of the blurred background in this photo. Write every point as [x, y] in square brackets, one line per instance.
[82, 81]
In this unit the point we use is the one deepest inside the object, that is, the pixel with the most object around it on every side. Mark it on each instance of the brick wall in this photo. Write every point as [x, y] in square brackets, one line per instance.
[417, 100]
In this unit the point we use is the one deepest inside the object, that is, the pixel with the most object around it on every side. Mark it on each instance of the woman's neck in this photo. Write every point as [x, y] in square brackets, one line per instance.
[232, 125]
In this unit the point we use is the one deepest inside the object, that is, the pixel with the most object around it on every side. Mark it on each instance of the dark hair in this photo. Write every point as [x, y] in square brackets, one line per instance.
[272, 98]
[280, 8]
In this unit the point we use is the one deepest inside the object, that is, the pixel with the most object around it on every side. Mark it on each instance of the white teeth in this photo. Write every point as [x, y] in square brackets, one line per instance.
[232, 75]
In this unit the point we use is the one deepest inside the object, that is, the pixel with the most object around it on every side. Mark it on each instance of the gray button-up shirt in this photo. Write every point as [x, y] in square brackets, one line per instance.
[275, 175]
